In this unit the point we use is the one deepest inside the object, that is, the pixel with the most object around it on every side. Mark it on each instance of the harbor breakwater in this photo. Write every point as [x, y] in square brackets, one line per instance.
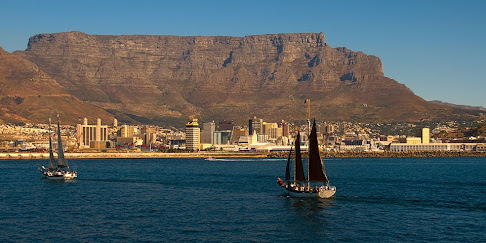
[387, 154]
[26, 155]
[133, 155]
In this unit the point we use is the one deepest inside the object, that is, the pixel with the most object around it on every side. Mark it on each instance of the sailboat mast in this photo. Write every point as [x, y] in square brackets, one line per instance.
[308, 179]
[295, 158]
[52, 162]
[308, 115]
[308, 139]
[295, 165]
[308, 168]
[299, 168]
[61, 161]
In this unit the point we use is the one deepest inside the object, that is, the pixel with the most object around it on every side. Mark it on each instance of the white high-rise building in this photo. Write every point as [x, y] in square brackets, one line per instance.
[192, 135]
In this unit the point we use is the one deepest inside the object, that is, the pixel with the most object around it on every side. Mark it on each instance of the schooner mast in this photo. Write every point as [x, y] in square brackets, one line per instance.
[299, 176]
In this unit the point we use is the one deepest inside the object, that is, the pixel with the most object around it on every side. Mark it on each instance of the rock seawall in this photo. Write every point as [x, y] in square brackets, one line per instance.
[392, 154]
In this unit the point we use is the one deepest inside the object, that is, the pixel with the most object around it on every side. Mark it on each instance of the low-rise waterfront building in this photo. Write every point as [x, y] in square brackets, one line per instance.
[481, 147]
[403, 147]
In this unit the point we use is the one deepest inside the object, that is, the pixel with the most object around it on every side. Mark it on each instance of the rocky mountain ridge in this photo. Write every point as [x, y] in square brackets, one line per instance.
[27, 94]
[160, 79]
[467, 107]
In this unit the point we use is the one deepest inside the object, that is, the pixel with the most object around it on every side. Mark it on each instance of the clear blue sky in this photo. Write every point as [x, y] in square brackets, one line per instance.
[437, 48]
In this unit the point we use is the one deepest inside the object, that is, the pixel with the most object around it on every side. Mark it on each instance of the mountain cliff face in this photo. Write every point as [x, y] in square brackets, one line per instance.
[27, 94]
[157, 78]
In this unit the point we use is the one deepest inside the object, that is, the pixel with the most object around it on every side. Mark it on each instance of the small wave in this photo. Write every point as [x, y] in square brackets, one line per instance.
[192, 230]
[447, 204]
[134, 181]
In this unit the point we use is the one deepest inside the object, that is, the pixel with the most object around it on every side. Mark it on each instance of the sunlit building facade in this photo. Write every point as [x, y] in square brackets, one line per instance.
[193, 135]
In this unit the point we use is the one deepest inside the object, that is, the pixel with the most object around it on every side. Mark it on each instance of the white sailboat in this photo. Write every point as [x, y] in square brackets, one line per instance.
[59, 170]
[300, 187]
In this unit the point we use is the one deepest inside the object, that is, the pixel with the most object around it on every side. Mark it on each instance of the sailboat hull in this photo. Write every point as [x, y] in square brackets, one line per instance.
[53, 177]
[70, 175]
[60, 175]
[301, 194]
[323, 192]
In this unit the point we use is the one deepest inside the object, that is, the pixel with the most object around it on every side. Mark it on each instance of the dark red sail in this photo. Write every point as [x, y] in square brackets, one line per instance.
[298, 167]
[316, 169]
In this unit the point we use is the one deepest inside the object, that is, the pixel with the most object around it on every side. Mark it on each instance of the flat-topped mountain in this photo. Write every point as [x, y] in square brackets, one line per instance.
[163, 78]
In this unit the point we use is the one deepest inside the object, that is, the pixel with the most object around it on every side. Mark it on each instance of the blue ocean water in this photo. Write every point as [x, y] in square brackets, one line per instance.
[238, 200]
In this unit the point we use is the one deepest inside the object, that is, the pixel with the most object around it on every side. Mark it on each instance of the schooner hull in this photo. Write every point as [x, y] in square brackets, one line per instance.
[301, 194]
[327, 193]
[60, 177]
[322, 193]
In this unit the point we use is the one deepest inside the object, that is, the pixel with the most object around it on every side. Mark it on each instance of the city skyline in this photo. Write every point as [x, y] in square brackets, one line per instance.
[267, 136]
[432, 47]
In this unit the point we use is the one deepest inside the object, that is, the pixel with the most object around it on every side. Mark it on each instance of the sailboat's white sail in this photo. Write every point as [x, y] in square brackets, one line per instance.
[60, 171]
[61, 161]
[52, 161]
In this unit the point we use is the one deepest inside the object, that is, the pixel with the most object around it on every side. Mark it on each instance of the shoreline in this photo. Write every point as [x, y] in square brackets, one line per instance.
[240, 155]
[148, 155]
[387, 154]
